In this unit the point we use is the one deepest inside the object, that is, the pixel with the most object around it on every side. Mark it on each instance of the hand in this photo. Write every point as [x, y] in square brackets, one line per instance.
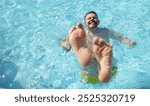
[131, 43]
[65, 44]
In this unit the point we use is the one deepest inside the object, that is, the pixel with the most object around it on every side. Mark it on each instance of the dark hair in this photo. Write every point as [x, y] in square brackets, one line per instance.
[90, 13]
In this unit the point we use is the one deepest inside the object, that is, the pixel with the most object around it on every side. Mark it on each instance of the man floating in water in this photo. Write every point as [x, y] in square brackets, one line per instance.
[92, 47]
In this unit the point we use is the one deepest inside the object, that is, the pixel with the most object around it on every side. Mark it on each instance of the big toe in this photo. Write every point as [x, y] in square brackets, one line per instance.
[80, 30]
[79, 25]
[95, 41]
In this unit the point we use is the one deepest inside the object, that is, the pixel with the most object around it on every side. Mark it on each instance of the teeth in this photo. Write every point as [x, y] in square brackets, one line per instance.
[92, 23]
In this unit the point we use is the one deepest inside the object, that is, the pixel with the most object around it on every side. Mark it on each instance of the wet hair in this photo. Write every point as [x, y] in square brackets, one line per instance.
[90, 13]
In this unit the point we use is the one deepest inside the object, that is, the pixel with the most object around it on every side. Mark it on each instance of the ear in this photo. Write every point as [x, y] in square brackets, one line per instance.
[98, 22]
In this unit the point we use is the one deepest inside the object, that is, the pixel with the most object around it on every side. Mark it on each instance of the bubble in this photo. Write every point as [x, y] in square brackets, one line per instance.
[3, 76]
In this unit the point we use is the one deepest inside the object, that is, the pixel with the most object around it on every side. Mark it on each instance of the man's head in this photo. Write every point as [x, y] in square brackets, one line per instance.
[91, 19]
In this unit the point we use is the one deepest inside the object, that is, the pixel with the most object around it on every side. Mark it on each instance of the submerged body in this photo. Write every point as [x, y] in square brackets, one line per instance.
[92, 46]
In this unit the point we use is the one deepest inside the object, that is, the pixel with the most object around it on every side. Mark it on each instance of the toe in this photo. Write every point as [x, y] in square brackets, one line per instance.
[72, 29]
[79, 25]
[95, 41]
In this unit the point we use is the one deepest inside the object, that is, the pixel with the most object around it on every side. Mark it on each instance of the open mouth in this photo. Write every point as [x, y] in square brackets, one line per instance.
[93, 23]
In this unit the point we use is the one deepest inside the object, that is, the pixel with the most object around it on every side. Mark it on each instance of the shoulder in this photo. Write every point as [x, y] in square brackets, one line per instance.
[107, 29]
[104, 30]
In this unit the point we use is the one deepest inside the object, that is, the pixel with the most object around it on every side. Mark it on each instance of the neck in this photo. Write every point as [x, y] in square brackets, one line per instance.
[93, 29]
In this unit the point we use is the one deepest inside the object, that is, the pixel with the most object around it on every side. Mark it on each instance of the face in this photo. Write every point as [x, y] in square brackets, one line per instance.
[91, 20]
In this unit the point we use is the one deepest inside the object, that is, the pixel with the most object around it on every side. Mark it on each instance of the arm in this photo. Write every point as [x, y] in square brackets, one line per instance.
[121, 38]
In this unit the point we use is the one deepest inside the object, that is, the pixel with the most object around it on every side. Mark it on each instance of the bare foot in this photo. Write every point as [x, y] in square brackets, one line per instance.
[65, 42]
[77, 40]
[103, 53]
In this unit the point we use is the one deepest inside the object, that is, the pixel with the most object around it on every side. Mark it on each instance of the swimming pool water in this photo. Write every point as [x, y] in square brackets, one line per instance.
[30, 30]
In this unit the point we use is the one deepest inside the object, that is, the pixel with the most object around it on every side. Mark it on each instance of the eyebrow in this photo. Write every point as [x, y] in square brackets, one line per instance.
[92, 16]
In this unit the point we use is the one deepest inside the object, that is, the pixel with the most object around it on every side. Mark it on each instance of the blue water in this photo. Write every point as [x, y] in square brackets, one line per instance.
[30, 56]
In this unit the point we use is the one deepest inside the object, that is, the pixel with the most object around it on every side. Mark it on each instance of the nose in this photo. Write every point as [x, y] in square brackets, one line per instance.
[91, 18]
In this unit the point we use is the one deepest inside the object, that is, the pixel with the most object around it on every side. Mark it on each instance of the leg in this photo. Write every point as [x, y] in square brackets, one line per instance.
[103, 54]
[77, 40]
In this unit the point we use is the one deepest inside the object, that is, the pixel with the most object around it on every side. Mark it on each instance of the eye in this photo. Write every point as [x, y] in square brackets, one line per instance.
[94, 17]
[89, 18]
